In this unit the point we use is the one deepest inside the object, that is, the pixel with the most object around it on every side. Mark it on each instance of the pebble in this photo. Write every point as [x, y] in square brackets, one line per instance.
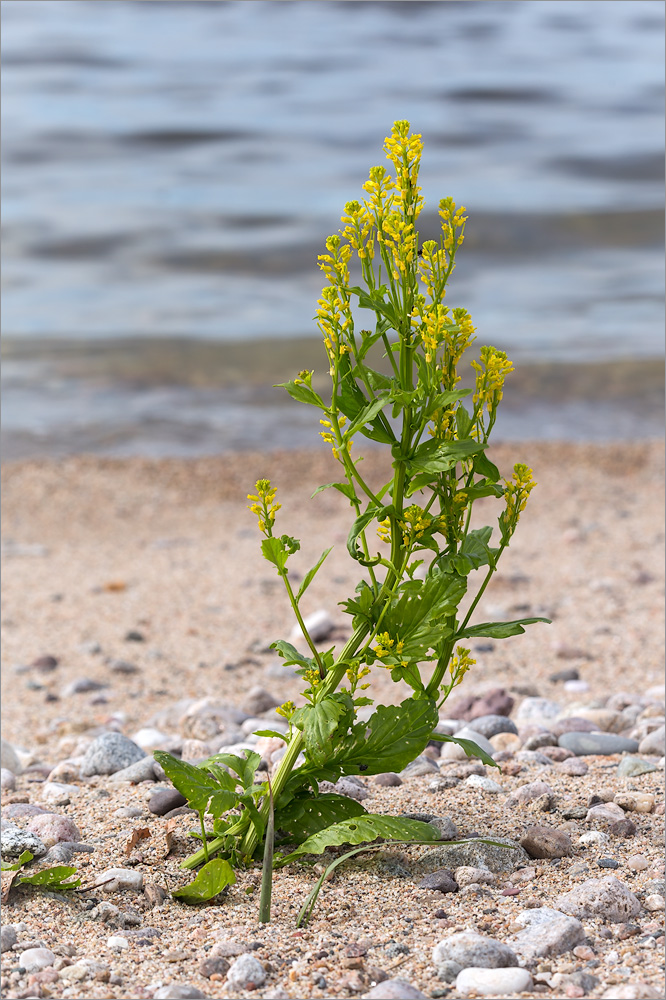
[420, 765]
[471, 949]
[35, 959]
[57, 793]
[144, 769]
[466, 875]
[52, 828]
[576, 686]
[539, 740]
[642, 802]
[444, 825]
[115, 879]
[389, 779]
[394, 989]
[608, 863]
[539, 710]
[109, 753]
[7, 779]
[653, 743]
[117, 943]
[448, 971]
[122, 667]
[593, 837]
[179, 991]
[82, 685]
[505, 741]
[66, 771]
[638, 862]
[561, 676]
[469, 733]
[583, 744]
[573, 766]
[441, 880]
[246, 973]
[491, 725]
[213, 967]
[9, 758]
[8, 937]
[632, 991]
[165, 800]
[605, 814]
[476, 854]
[546, 932]
[347, 785]
[654, 903]
[527, 793]
[150, 738]
[546, 842]
[534, 758]
[631, 767]
[493, 982]
[18, 809]
[15, 842]
[605, 897]
[486, 784]
[319, 626]
[571, 724]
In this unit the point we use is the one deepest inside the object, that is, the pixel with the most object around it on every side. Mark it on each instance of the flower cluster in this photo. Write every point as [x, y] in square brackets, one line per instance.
[389, 649]
[416, 522]
[263, 504]
[453, 223]
[355, 673]
[459, 665]
[357, 221]
[516, 493]
[404, 152]
[286, 710]
[491, 371]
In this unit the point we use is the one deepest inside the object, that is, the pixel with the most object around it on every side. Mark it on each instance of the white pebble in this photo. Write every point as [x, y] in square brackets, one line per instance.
[150, 738]
[654, 903]
[57, 793]
[594, 837]
[576, 686]
[7, 779]
[486, 784]
[638, 862]
[34, 959]
[493, 982]
[119, 878]
[319, 625]
[117, 943]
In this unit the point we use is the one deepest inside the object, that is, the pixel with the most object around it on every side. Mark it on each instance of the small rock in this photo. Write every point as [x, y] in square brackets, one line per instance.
[319, 626]
[394, 989]
[441, 880]
[632, 991]
[604, 814]
[150, 738]
[66, 772]
[638, 862]
[448, 971]
[539, 710]
[528, 793]
[213, 967]
[52, 828]
[573, 766]
[142, 770]
[471, 949]
[475, 854]
[466, 875]
[134, 636]
[539, 740]
[154, 893]
[608, 863]
[8, 937]
[654, 903]
[165, 800]
[246, 973]
[631, 767]
[594, 837]
[571, 724]
[117, 943]
[259, 701]
[505, 741]
[59, 854]
[389, 779]
[7, 780]
[82, 685]
[122, 667]
[493, 982]
[642, 802]
[445, 827]
[547, 932]
[109, 753]
[576, 687]
[179, 991]
[18, 809]
[485, 784]
[583, 744]
[491, 725]
[653, 743]
[57, 793]
[15, 842]
[34, 959]
[115, 879]
[605, 897]
[9, 758]
[420, 765]
[546, 842]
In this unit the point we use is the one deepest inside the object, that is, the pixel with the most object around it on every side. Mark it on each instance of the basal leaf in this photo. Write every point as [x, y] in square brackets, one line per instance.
[360, 830]
[498, 630]
[393, 736]
[303, 817]
[209, 882]
[203, 792]
[20, 861]
[52, 878]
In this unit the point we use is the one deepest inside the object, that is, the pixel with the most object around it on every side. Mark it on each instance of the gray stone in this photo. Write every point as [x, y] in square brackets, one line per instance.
[394, 989]
[82, 685]
[546, 842]
[605, 897]
[485, 784]
[571, 724]
[109, 753]
[493, 982]
[347, 785]
[502, 856]
[491, 725]
[441, 880]
[59, 854]
[533, 758]
[445, 827]
[7, 780]
[258, 701]
[9, 758]
[19, 809]
[471, 949]
[15, 842]
[540, 710]
[653, 743]
[213, 967]
[142, 770]
[419, 766]
[469, 733]
[8, 937]
[165, 800]
[389, 779]
[246, 973]
[52, 828]
[527, 793]
[573, 766]
[36, 959]
[179, 991]
[547, 932]
[631, 767]
[447, 971]
[114, 879]
[583, 744]
[539, 740]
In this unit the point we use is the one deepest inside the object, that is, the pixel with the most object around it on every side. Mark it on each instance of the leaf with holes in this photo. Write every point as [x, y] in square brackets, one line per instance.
[52, 878]
[361, 830]
[203, 792]
[306, 816]
[390, 740]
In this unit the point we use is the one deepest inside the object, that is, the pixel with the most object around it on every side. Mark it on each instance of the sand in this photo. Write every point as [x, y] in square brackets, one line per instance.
[95, 549]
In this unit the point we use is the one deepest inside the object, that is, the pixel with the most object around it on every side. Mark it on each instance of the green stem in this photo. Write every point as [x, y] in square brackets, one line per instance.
[299, 618]
[267, 872]
[204, 837]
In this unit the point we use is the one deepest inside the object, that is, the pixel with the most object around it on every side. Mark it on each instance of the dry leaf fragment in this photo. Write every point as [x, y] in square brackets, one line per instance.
[171, 835]
[138, 834]
[115, 586]
[7, 884]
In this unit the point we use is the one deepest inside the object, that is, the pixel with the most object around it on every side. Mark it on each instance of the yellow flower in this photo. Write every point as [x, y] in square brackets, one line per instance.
[491, 369]
[459, 665]
[263, 504]
[286, 710]
[516, 494]
[384, 530]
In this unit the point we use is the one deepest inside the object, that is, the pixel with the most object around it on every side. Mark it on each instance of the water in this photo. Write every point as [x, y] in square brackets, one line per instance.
[171, 169]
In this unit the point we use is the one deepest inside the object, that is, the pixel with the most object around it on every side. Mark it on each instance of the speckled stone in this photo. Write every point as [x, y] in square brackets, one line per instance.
[394, 989]
[584, 744]
[546, 932]
[15, 842]
[546, 842]
[605, 897]
[52, 828]
[631, 767]
[109, 753]
[246, 973]
[474, 950]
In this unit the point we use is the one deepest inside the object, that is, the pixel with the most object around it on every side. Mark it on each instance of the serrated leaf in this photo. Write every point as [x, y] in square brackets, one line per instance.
[498, 630]
[273, 551]
[303, 817]
[393, 736]
[361, 830]
[209, 882]
[20, 861]
[52, 878]
[318, 723]
[245, 767]
[310, 575]
[203, 792]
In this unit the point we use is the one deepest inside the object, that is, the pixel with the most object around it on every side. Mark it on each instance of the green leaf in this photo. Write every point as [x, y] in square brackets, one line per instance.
[345, 488]
[367, 415]
[203, 792]
[318, 723]
[52, 878]
[484, 467]
[440, 456]
[445, 399]
[378, 381]
[471, 748]
[303, 817]
[270, 732]
[310, 575]
[360, 830]
[303, 393]
[21, 860]
[351, 400]
[463, 422]
[290, 654]
[376, 300]
[498, 630]
[273, 551]
[360, 524]
[473, 553]
[210, 881]
[244, 767]
[391, 739]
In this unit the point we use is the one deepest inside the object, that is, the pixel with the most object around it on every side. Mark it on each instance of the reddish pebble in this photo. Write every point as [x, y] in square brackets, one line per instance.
[574, 991]
[511, 891]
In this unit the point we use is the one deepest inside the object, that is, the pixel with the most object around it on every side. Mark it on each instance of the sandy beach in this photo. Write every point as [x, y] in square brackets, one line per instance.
[156, 565]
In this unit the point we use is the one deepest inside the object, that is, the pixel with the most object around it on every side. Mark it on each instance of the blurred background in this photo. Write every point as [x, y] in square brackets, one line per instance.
[171, 170]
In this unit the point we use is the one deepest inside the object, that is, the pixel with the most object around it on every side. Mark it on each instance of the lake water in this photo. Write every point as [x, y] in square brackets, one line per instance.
[171, 170]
